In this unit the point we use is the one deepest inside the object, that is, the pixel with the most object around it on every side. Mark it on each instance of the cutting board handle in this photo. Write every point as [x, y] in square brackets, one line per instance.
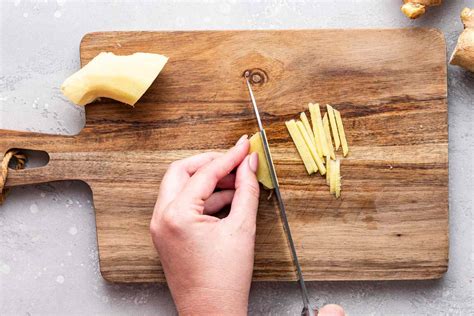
[51, 172]
[56, 146]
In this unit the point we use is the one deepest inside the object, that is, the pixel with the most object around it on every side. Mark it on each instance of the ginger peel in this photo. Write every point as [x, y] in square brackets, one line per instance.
[416, 8]
[463, 54]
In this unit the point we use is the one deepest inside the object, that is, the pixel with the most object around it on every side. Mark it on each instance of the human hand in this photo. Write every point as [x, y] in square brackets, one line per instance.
[208, 262]
[331, 310]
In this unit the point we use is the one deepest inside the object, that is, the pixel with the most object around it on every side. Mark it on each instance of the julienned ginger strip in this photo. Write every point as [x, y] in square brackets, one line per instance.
[342, 133]
[307, 126]
[327, 133]
[332, 120]
[312, 148]
[300, 144]
[315, 144]
[317, 139]
[318, 127]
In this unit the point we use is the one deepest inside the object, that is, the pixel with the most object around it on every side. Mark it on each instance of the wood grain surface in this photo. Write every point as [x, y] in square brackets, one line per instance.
[390, 86]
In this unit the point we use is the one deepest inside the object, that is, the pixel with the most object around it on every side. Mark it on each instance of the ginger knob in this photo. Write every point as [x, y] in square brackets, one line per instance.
[122, 78]
[463, 54]
[416, 8]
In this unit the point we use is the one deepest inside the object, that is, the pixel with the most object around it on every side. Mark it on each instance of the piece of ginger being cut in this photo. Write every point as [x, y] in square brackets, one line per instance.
[263, 173]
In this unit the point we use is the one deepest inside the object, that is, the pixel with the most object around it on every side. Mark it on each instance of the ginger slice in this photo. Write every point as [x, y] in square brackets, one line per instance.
[463, 54]
[263, 171]
[328, 170]
[317, 141]
[307, 126]
[300, 144]
[312, 148]
[332, 120]
[315, 112]
[307, 141]
[332, 177]
[122, 78]
[327, 132]
[342, 133]
[337, 175]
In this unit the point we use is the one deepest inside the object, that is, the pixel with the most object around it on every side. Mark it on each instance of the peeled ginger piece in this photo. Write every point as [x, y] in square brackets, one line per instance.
[122, 78]
[263, 173]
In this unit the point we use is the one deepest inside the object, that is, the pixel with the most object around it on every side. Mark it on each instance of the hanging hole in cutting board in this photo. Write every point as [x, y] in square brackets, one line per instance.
[34, 158]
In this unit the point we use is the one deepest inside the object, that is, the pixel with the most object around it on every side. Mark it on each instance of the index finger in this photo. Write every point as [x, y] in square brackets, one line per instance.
[178, 174]
[203, 183]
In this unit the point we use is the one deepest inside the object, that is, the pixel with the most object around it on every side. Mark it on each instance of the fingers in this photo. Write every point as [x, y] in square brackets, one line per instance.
[228, 182]
[217, 201]
[191, 164]
[178, 174]
[245, 202]
[204, 181]
[331, 310]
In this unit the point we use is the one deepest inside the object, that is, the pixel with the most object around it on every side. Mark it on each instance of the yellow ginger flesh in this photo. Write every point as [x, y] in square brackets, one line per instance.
[301, 147]
[122, 78]
[263, 173]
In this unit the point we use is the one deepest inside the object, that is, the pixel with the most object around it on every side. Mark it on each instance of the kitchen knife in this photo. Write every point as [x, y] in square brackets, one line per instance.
[307, 309]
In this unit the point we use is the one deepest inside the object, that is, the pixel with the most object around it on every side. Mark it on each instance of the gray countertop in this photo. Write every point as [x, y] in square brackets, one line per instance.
[48, 249]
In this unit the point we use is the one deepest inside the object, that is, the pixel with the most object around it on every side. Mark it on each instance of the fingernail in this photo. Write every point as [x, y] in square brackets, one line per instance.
[253, 162]
[241, 140]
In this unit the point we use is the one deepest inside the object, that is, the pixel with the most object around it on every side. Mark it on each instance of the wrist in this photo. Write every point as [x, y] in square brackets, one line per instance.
[204, 301]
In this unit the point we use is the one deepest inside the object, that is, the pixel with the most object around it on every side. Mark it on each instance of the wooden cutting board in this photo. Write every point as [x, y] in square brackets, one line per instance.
[390, 85]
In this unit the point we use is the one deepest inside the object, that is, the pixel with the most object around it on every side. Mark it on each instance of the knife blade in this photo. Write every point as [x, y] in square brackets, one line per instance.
[307, 309]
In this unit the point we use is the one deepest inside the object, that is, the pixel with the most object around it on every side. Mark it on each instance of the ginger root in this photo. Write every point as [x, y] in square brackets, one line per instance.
[463, 54]
[122, 78]
[416, 8]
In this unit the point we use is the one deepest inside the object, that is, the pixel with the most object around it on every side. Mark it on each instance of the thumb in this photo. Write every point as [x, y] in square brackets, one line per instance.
[247, 191]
